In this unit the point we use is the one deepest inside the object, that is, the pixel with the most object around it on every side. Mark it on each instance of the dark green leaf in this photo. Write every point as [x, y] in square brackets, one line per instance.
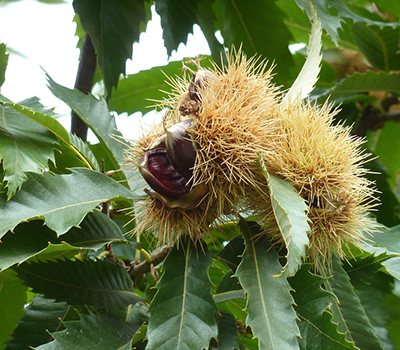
[12, 300]
[62, 200]
[361, 83]
[379, 45]
[389, 206]
[99, 283]
[383, 143]
[33, 239]
[94, 332]
[228, 338]
[113, 27]
[332, 14]
[3, 63]
[239, 22]
[96, 116]
[183, 311]
[348, 311]
[41, 316]
[290, 214]
[316, 326]
[177, 20]
[231, 254]
[269, 302]
[25, 146]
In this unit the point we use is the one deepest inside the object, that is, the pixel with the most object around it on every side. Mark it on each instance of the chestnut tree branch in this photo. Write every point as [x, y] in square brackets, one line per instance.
[84, 82]
[374, 118]
[138, 269]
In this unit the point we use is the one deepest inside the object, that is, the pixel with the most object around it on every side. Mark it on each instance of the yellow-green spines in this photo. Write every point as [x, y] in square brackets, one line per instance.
[237, 113]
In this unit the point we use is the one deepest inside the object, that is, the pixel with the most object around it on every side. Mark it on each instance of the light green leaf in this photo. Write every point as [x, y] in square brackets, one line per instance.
[25, 146]
[137, 92]
[84, 150]
[100, 283]
[3, 63]
[229, 295]
[312, 301]
[94, 332]
[308, 76]
[113, 27]
[348, 311]
[183, 310]
[33, 239]
[41, 317]
[96, 116]
[290, 213]
[269, 302]
[239, 22]
[62, 200]
[389, 239]
[12, 300]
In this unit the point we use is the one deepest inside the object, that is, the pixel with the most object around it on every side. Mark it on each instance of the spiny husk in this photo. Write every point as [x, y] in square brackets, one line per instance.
[324, 162]
[240, 115]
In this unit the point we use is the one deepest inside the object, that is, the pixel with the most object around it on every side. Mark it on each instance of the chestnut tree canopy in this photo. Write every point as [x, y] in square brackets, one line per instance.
[71, 275]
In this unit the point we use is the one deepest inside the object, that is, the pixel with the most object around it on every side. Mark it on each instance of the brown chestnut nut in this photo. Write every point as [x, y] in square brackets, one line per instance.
[180, 147]
[198, 82]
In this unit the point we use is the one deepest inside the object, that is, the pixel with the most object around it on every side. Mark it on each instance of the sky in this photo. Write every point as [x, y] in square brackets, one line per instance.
[42, 37]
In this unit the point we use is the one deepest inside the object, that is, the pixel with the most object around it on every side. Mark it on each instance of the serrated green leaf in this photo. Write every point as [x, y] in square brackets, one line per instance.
[269, 302]
[137, 92]
[379, 45]
[312, 301]
[100, 283]
[62, 200]
[113, 27]
[41, 317]
[183, 311]
[389, 239]
[3, 63]
[33, 239]
[228, 338]
[290, 214]
[383, 143]
[84, 150]
[360, 83]
[308, 76]
[12, 300]
[177, 20]
[96, 116]
[32, 109]
[239, 22]
[332, 14]
[94, 332]
[348, 311]
[231, 253]
[25, 146]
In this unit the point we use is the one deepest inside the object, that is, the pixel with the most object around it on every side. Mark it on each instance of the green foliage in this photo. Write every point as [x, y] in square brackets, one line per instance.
[62, 200]
[113, 26]
[3, 63]
[183, 310]
[99, 283]
[290, 214]
[70, 276]
[269, 302]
